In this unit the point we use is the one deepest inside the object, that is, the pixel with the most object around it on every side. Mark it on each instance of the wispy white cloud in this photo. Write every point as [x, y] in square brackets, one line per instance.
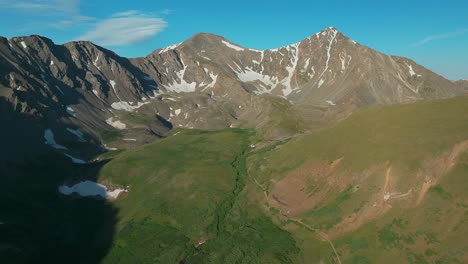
[64, 13]
[41, 6]
[126, 13]
[440, 36]
[64, 24]
[125, 28]
[166, 11]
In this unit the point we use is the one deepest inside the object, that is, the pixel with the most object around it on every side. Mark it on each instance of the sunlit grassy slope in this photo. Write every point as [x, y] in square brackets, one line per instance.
[186, 190]
[344, 173]
[209, 197]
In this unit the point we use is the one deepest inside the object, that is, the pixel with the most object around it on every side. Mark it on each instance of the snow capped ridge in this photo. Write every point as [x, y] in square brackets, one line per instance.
[168, 48]
[230, 44]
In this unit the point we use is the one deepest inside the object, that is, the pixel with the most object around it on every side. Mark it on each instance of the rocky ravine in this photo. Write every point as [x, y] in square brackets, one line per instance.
[66, 96]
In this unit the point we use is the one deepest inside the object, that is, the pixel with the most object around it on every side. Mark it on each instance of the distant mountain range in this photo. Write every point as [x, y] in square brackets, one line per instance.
[323, 151]
[78, 91]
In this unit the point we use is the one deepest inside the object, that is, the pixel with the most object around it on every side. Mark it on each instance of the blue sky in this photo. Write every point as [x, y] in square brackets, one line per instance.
[434, 33]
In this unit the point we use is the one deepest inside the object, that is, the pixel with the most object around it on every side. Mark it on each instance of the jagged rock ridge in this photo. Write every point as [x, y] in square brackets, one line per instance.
[206, 81]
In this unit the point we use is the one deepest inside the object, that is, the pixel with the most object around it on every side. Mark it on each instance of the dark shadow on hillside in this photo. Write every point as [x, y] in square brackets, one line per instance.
[37, 223]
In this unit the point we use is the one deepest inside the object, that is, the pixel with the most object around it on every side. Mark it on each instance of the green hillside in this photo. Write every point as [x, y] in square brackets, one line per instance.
[387, 184]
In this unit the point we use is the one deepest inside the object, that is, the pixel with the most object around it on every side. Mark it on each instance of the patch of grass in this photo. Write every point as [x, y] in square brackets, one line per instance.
[437, 189]
[389, 238]
[138, 118]
[110, 136]
[324, 217]
[353, 243]
[110, 154]
[345, 195]
[358, 260]
[146, 241]
[188, 188]
[404, 135]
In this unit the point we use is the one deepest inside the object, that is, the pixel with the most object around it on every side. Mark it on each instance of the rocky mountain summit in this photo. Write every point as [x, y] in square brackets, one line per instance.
[72, 97]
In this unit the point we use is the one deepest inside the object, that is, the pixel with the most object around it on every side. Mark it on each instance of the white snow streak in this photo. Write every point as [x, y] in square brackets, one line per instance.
[23, 44]
[182, 85]
[248, 75]
[122, 105]
[112, 83]
[232, 46]
[116, 124]
[50, 140]
[168, 48]
[306, 64]
[320, 83]
[287, 82]
[95, 62]
[411, 71]
[77, 133]
[330, 43]
[344, 61]
[89, 188]
[75, 160]
[60, 90]
[70, 111]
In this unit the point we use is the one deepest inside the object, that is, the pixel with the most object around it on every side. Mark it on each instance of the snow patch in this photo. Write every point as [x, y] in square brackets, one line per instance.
[182, 85]
[232, 46]
[77, 133]
[126, 106]
[116, 124]
[43, 78]
[345, 60]
[168, 48]
[75, 160]
[70, 111]
[287, 82]
[23, 44]
[89, 188]
[331, 103]
[331, 38]
[51, 62]
[248, 75]
[129, 139]
[95, 62]
[177, 112]
[112, 83]
[112, 195]
[411, 71]
[148, 78]
[60, 90]
[214, 78]
[50, 140]
[320, 83]
[407, 84]
[306, 64]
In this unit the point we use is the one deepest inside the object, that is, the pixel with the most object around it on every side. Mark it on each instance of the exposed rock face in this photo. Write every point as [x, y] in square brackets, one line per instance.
[204, 82]
[463, 84]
